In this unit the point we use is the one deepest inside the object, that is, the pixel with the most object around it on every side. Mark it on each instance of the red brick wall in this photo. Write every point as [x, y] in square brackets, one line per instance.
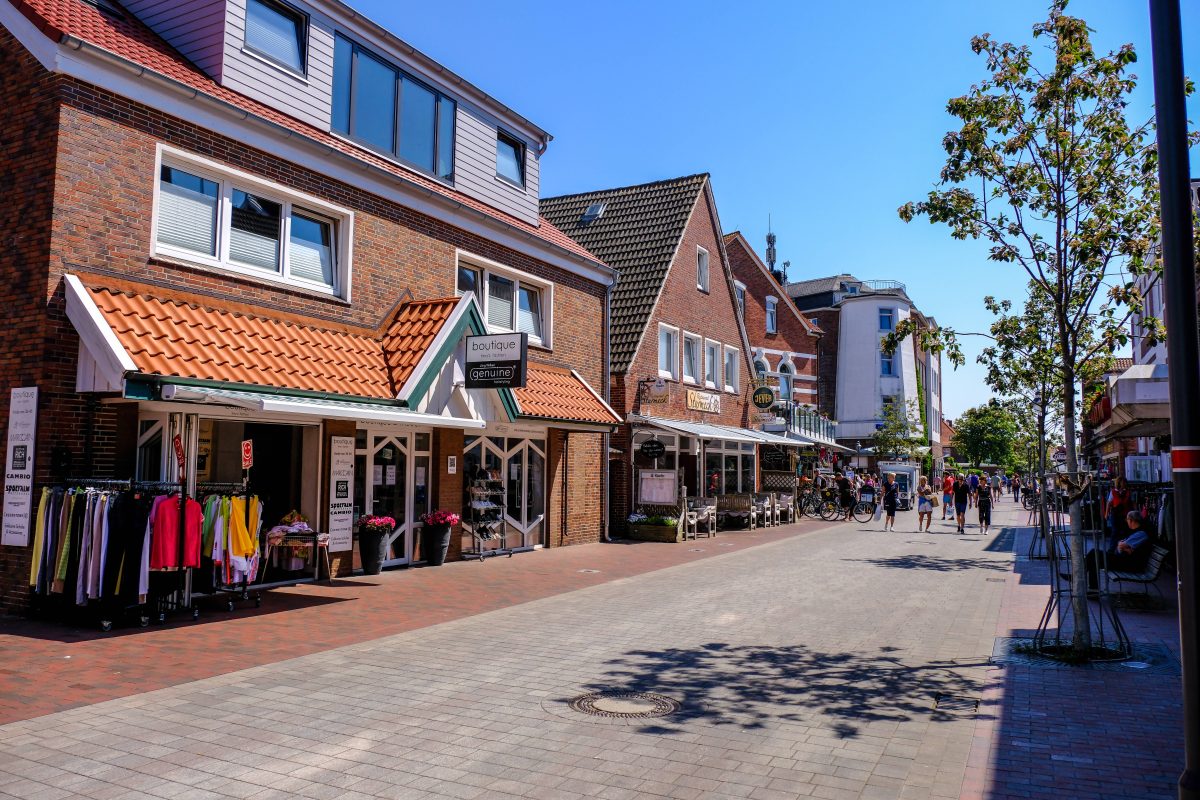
[827, 359]
[574, 504]
[791, 333]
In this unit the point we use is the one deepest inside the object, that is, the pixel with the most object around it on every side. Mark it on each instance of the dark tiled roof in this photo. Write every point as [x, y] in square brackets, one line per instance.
[819, 285]
[637, 235]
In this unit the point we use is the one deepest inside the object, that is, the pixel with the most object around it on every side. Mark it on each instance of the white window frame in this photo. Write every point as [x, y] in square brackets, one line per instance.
[677, 345]
[487, 268]
[889, 359]
[702, 277]
[737, 378]
[891, 312]
[739, 297]
[227, 179]
[772, 320]
[718, 363]
[698, 348]
[786, 368]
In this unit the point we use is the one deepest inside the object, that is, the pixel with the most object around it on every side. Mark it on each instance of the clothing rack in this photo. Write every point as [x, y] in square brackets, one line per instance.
[238, 591]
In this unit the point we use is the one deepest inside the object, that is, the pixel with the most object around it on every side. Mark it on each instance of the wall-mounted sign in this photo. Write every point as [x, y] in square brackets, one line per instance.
[18, 475]
[341, 501]
[496, 361]
[704, 401]
[652, 448]
[451, 465]
[763, 397]
[764, 418]
[660, 391]
[657, 486]
[248, 454]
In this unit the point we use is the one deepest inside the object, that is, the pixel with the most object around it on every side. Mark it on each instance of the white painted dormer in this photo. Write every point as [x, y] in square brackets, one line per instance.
[323, 64]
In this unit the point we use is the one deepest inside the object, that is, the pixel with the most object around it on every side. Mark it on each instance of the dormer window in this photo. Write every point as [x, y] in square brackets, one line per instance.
[510, 158]
[277, 32]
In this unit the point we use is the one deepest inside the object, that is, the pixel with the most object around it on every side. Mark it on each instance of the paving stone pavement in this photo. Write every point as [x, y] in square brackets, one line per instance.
[845, 663]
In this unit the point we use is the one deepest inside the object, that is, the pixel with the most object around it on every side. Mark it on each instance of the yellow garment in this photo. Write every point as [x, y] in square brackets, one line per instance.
[39, 535]
[243, 540]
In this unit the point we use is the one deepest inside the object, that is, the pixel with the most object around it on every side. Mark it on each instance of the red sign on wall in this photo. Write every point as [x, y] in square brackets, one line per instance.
[248, 454]
[178, 442]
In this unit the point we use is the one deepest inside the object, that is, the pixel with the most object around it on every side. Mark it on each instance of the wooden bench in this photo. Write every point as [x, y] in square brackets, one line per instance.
[739, 507]
[1148, 576]
[701, 517]
[785, 505]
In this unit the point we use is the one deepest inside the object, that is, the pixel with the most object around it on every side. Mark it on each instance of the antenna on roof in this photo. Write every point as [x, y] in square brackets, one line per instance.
[779, 276]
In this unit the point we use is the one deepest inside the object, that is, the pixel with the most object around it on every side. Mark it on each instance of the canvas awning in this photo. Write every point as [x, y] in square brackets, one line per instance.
[698, 429]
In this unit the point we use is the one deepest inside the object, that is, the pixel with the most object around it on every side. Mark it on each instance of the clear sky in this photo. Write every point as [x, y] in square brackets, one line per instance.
[825, 116]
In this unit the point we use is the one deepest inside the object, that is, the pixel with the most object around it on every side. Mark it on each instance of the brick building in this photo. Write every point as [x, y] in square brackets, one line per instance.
[218, 238]
[679, 348]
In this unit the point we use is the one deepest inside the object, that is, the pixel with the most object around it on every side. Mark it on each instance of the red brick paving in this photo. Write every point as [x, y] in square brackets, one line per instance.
[47, 667]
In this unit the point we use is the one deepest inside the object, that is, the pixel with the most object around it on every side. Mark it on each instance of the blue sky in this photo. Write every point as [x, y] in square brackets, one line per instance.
[825, 116]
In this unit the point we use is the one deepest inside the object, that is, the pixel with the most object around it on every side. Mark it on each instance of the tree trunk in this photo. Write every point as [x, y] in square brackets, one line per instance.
[1081, 641]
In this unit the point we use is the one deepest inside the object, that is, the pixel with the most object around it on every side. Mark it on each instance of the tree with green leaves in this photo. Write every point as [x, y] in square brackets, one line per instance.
[1047, 169]
[900, 434]
[985, 434]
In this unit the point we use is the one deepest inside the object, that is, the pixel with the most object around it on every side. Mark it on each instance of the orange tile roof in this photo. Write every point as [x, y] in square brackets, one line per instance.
[183, 339]
[411, 333]
[131, 39]
[556, 393]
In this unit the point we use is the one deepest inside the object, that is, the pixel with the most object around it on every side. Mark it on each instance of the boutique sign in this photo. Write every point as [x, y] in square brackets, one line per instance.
[496, 361]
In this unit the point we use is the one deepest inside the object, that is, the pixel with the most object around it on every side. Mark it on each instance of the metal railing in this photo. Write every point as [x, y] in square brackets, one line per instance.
[806, 421]
[884, 286]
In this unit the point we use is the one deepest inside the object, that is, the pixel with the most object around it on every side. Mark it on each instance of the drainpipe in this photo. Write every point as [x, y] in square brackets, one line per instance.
[606, 439]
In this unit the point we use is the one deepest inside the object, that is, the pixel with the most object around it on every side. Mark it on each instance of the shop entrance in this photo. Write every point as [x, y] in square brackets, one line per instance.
[395, 470]
[522, 465]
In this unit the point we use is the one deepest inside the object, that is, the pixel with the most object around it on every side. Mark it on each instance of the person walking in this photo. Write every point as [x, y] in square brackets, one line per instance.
[924, 504]
[984, 502]
[891, 498]
[962, 495]
[996, 485]
[1016, 487]
[973, 482]
[947, 496]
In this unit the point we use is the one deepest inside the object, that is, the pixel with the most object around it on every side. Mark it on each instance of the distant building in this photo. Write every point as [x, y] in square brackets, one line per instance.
[857, 381]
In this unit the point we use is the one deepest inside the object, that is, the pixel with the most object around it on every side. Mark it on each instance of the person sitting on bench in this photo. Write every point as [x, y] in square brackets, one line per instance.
[1128, 555]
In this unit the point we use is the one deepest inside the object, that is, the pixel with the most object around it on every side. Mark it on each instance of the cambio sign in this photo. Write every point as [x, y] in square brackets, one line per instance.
[496, 361]
[18, 475]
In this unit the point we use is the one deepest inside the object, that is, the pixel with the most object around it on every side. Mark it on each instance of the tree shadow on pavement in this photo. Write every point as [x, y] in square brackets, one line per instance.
[753, 687]
[935, 563]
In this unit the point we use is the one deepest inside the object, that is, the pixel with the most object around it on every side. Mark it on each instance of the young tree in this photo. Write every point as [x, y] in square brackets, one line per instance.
[1068, 193]
[899, 435]
[985, 434]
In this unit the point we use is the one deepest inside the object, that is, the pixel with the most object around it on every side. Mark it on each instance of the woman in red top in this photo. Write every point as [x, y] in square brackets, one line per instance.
[1118, 506]
[947, 494]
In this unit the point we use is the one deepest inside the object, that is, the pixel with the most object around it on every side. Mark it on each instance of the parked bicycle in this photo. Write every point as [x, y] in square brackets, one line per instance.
[832, 508]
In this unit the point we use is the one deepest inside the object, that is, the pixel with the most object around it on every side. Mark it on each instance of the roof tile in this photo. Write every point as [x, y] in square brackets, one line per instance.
[556, 393]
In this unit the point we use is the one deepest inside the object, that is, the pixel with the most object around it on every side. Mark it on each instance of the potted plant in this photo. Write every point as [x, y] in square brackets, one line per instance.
[372, 542]
[653, 528]
[435, 536]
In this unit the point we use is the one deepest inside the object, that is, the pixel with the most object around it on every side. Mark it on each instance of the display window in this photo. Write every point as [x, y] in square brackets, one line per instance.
[392, 479]
[520, 464]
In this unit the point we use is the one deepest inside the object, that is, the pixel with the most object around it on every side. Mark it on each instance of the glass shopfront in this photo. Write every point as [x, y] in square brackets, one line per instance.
[728, 467]
[521, 463]
[392, 479]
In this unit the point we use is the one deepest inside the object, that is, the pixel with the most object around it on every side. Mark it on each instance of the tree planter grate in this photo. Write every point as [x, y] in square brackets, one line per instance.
[625, 705]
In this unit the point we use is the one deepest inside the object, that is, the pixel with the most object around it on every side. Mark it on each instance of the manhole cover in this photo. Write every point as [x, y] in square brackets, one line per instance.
[625, 705]
[955, 703]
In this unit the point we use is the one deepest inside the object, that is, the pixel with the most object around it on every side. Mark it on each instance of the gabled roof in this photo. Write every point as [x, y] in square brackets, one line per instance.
[411, 333]
[737, 238]
[131, 40]
[554, 393]
[637, 235]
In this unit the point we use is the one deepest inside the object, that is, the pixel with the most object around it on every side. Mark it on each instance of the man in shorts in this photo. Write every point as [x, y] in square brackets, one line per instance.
[947, 496]
[973, 483]
[962, 494]
[996, 489]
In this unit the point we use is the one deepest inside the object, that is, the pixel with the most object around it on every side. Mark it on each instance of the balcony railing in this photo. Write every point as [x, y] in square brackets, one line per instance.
[806, 421]
[886, 286]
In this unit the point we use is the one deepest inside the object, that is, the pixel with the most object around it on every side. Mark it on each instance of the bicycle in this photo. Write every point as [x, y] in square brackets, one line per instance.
[860, 510]
[809, 504]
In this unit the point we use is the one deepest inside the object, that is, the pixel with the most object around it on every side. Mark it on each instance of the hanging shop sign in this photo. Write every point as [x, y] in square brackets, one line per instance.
[497, 361]
[704, 401]
[652, 448]
[660, 391]
[341, 501]
[18, 472]
[248, 454]
[763, 397]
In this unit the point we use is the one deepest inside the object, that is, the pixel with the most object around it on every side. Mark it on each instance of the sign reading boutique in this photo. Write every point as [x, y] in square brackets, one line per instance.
[18, 472]
[496, 361]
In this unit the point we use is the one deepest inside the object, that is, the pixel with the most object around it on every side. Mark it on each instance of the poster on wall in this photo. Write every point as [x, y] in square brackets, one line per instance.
[341, 487]
[18, 473]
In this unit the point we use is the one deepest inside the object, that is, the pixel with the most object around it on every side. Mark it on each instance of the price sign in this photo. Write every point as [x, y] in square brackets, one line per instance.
[248, 454]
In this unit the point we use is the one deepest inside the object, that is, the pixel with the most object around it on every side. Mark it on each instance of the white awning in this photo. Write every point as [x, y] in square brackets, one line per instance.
[698, 429]
[766, 437]
[313, 407]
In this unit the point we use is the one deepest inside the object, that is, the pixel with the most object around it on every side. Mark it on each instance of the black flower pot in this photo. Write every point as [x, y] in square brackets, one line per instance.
[435, 541]
[372, 549]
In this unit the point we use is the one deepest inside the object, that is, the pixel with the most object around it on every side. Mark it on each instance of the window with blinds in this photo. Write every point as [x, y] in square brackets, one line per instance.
[510, 300]
[204, 216]
[278, 32]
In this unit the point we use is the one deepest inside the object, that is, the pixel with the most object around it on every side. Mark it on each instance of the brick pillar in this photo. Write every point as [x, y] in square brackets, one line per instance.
[447, 492]
[340, 562]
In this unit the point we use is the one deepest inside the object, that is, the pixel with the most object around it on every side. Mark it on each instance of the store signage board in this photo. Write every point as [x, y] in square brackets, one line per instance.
[496, 361]
[248, 454]
[177, 443]
[657, 487]
[704, 401]
[763, 397]
[18, 472]
[341, 500]
[660, 391]
[652, 448]
[451, 465]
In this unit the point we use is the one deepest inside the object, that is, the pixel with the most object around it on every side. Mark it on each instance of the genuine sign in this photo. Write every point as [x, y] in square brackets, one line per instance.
[496, 361]
[18, 473]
